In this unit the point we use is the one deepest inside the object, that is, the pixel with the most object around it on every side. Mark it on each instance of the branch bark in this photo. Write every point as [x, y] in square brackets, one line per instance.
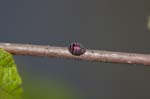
[89, 55]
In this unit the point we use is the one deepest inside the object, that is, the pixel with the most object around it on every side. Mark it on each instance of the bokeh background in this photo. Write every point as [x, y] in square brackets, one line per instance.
[117, 25]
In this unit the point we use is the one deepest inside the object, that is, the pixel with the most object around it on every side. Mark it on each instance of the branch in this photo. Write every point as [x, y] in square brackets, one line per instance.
[89, 55]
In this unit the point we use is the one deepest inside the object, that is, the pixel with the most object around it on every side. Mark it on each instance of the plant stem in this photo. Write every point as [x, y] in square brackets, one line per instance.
[89, 55]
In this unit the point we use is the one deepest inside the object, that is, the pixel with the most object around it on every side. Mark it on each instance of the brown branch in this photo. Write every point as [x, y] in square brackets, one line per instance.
[89, 55]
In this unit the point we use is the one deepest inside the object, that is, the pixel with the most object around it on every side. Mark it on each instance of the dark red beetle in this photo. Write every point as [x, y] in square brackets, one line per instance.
[76, 49]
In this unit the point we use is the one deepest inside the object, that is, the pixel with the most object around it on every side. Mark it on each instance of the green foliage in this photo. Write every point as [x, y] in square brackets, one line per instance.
[10, 81]
[41, 87]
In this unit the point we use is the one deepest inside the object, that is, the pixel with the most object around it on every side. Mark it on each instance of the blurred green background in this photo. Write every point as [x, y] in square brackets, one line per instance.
[117, 25]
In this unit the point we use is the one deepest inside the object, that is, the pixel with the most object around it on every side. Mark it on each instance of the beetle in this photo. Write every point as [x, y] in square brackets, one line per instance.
[76, 49]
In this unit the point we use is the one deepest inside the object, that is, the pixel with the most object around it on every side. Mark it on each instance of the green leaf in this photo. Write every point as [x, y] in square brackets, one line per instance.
[10, 80]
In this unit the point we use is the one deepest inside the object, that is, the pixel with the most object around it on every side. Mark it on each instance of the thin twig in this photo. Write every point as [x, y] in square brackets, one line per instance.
[89, 55]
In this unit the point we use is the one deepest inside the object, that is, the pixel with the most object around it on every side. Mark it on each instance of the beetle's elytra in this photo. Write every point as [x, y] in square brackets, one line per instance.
[76, 49]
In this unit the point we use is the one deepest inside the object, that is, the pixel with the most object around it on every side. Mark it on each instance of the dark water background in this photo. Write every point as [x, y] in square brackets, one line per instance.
[118, 25]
